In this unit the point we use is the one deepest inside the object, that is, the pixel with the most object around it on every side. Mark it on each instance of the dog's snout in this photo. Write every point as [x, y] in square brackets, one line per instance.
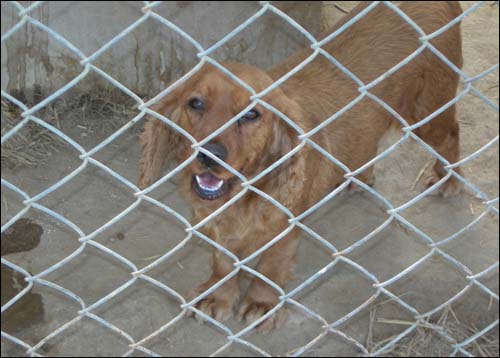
[217, 149]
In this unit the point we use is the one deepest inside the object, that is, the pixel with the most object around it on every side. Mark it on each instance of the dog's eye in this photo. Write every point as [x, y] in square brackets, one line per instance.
[196, 104]
[251, 115]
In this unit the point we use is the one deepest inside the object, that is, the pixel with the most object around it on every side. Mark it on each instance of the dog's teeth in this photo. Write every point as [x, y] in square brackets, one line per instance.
[219, 184]
[209, 188]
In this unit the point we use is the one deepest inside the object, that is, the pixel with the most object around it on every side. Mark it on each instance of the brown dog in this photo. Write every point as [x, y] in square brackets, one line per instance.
[207, 100]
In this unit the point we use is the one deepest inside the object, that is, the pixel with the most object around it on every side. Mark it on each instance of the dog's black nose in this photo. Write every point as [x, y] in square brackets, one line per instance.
[217, 149]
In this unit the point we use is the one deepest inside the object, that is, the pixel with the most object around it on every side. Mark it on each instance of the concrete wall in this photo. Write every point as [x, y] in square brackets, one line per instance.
[151, 56]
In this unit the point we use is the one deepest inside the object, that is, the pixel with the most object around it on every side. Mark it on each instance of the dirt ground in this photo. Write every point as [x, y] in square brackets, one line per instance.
[93, 198]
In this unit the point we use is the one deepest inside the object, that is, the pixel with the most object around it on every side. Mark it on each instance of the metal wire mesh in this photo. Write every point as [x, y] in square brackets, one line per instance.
[205, 56]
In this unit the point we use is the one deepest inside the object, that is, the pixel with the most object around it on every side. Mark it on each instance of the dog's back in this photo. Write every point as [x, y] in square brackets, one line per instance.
[370, 48]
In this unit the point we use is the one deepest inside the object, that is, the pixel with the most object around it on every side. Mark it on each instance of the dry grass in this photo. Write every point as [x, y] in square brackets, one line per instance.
[30, 146]
[98, 112]
[426, 340]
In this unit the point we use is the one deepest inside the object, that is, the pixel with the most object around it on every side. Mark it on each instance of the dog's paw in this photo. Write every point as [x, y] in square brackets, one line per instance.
[219, 309]
[449, 188]
[251, 310]
[218, 305]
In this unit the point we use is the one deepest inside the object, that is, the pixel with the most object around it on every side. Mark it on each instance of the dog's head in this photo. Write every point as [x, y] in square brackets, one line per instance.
[201, 105]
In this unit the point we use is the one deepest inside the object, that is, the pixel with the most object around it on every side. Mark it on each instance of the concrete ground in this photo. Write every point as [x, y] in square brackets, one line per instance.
[93, 198]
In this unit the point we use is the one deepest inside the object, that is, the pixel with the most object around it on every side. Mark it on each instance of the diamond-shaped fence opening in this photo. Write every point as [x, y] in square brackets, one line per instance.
[381, 267]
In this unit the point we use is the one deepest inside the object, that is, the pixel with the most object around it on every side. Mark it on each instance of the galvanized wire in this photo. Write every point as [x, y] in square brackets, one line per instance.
[192, 229]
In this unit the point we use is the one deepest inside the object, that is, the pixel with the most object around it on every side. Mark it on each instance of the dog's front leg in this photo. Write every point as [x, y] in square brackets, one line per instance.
[277, 264]
[220, 303]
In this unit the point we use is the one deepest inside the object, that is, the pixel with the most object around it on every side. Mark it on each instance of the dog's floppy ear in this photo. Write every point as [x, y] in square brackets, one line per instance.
[291, 173]
[159, 142]
[285, 138]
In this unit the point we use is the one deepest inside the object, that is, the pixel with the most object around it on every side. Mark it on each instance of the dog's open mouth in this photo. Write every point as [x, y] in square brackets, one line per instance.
[208, 186]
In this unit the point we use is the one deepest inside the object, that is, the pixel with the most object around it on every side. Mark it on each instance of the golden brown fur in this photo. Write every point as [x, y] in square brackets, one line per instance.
[368, 49]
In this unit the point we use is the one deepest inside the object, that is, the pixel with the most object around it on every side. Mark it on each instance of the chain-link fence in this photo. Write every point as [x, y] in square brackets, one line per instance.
[233, 337]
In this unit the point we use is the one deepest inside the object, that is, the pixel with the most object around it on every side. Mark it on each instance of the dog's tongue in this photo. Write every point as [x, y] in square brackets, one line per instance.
[209, 181]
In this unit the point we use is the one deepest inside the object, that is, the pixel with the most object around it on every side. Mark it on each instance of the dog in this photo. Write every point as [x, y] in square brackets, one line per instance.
[207, 100]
